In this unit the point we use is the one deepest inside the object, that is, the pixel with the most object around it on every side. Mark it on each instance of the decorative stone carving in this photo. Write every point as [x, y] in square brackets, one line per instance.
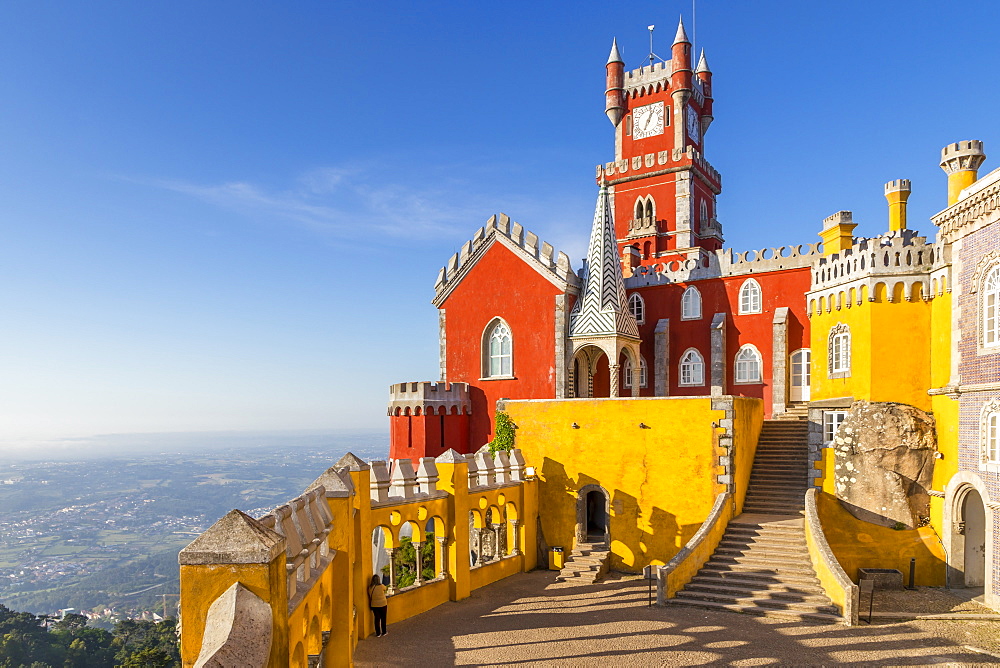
[884, 462]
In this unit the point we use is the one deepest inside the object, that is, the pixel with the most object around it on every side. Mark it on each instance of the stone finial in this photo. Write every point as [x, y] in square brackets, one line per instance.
[236, 538]
[351, 461]
[615, 56]
[450, 456]
[516, 465]
[427, 476]
[333, 484]
[403, 480]
[501, 468]
[237, 630]
[484, 469]
[379, 482]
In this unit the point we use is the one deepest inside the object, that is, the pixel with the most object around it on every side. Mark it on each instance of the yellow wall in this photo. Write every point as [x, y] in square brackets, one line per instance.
[890, 352]
[858, 544]
[747, 423]
[661, 480]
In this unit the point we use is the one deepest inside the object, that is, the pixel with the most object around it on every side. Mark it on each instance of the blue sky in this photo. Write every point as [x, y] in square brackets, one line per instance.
[230, 215]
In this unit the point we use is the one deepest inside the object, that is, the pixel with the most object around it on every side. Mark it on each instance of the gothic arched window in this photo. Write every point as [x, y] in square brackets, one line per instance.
[750, 297]
[748, 365]
[627, 373]
[991, 308]
[991, 435]
[692, 371]
[497, 350]
[691, 304]
[637, 307]
[839, 351]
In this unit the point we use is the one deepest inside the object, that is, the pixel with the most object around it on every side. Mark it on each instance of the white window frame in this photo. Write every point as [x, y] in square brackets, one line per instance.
[751, 297]
[989, 307]
[494, 367]
[746, 353]
[839, 351]
[691, 304]
[627, 373]
[831, 425]
[989, 458]
[695, 363]
[637, 307]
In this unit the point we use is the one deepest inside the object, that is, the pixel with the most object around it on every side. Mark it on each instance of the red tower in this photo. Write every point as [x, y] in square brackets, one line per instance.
[663, 189]
[424, 417]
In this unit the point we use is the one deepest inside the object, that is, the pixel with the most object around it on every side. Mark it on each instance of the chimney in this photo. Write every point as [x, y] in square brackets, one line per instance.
[961, 162]
[897, 192]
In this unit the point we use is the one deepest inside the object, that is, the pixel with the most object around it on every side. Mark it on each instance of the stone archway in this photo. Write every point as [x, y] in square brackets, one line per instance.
[595, 369]
[969, 520]
[972, 528]
[593, 514]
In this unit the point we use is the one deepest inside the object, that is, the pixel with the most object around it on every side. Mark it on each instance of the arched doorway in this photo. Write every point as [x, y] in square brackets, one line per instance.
[973, 530]
[593, 512]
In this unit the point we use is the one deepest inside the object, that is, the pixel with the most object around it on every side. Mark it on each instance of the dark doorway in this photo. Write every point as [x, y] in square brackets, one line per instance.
[597, 516]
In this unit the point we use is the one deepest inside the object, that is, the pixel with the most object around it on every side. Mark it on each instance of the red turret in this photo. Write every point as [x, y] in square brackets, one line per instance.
[705, 77]
[681, 58]
[614, 97]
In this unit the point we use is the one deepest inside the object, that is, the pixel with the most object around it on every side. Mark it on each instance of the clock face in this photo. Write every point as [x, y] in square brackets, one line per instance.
[647, 121]
[694, 131]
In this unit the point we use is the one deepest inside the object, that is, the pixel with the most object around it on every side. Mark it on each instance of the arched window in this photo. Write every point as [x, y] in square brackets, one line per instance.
[497, 350]
[839, 344]
[627, 374]
[639, 210]
[991, 435]
[748, 365]
[750, 297]
[650, 215]
[637, 307]
[991, 308]
[691, 304]
[692, 368]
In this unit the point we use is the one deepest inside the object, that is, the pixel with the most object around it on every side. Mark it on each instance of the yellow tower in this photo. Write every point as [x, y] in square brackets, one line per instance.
[897, 192]
[961, 162]
[838, 232]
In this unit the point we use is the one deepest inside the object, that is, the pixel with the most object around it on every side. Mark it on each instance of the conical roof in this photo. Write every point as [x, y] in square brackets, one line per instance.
[615, 57]
[681, 36]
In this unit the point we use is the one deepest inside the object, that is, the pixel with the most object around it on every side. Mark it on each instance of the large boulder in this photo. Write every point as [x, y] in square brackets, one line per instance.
[883, 463]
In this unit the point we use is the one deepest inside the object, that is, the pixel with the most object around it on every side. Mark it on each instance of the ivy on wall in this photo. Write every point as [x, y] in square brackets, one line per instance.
[503, 438]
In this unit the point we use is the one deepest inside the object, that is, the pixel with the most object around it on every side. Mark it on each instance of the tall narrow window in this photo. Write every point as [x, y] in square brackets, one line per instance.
[692, 368]
[627, 375]
[691, 304]
[991, 309]
[637, 307]
[650, 216]
[993, 438]
[748, 365]
[499, 353]
[840, 351]
[750, 297]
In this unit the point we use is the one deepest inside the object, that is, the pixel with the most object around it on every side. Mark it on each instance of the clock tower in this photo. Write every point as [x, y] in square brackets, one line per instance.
[662, 187]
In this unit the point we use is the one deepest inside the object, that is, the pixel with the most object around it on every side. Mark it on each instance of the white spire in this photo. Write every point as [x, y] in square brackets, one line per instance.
[702, 64]
[681, 36]
[615, 57]
[601, 309]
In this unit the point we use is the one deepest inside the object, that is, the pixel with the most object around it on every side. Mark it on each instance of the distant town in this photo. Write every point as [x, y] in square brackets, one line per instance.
[100, 537]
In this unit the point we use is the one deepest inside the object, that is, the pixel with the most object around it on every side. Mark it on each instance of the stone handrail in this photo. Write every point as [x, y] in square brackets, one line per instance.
[305, 523]
[405, 485]
[678, 572]
[841, 590]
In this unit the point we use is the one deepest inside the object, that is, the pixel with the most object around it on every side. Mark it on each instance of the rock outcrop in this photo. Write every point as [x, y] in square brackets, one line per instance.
[883, 463]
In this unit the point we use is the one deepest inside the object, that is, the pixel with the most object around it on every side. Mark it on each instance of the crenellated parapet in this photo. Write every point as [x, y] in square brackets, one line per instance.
[902, 264]
[554, 266]
[977, 206]
[429, 398]
[661, 162]
[725, 262]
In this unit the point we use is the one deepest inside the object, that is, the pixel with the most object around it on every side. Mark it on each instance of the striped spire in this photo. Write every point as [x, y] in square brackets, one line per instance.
[601, 309]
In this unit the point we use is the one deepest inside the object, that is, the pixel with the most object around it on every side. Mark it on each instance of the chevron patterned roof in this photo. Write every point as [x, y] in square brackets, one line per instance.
[601, 309]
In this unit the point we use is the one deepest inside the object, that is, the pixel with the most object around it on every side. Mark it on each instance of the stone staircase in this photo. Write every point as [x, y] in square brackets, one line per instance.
[796, 411]
[761, 566]
[586, 564]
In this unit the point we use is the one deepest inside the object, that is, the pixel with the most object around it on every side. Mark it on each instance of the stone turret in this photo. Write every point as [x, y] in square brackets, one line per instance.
[427, 418]
[704, 75]
[614, 95]
[680, 81]
[897, 192]
[961, 162]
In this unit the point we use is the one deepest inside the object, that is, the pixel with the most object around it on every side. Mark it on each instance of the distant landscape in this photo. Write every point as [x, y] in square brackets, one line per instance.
[101, 535]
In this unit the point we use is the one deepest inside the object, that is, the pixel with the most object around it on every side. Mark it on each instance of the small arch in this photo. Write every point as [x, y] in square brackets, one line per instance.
[880, 293]
[691, 304]
[692, 368]
[637, 307]
[898, 292]
[593, 514]
[497, 349]
[748, 365]
[750, 297]
[862, 294]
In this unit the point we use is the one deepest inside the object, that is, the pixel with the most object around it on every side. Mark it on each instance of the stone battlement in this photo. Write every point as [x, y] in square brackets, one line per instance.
[613, 171]
[429, 397]
[897, 253]
[722, 263]
[501, 226]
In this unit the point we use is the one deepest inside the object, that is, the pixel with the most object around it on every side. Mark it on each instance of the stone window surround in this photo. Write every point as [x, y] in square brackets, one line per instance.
[990, 409]
[988, 264]
[839, 333]
[748, 289]
[627, 372]
[736, 365]
[691, 306]
[639, 312]
[680, 370]
[488, 331]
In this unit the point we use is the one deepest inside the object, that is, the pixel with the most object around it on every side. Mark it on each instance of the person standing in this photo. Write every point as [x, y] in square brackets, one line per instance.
[379, 605]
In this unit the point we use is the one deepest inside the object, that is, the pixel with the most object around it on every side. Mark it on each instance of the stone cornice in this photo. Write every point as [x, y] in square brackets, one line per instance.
[969, 214]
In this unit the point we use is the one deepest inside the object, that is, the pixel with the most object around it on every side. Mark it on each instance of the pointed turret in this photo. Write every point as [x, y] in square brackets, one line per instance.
[702, 64]
[614, 93]
[601, 309]
[681, 36]
[704, 75]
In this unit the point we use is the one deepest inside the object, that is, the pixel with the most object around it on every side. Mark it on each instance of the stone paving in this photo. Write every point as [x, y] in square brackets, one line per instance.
[529, 619]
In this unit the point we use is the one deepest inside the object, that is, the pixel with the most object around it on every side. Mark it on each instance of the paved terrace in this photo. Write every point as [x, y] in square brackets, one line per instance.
[529, 619]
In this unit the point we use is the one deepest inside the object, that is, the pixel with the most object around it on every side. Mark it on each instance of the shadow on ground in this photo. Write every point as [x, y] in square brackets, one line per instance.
[530, 619]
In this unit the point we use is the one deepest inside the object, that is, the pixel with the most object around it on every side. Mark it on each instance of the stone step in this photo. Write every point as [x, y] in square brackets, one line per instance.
[732, 541]
[748, 578]
[776, 530]
[774, 507]
[816, 604]
[801, 594]
[823, 618]
[731, 544]
[761, 566]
